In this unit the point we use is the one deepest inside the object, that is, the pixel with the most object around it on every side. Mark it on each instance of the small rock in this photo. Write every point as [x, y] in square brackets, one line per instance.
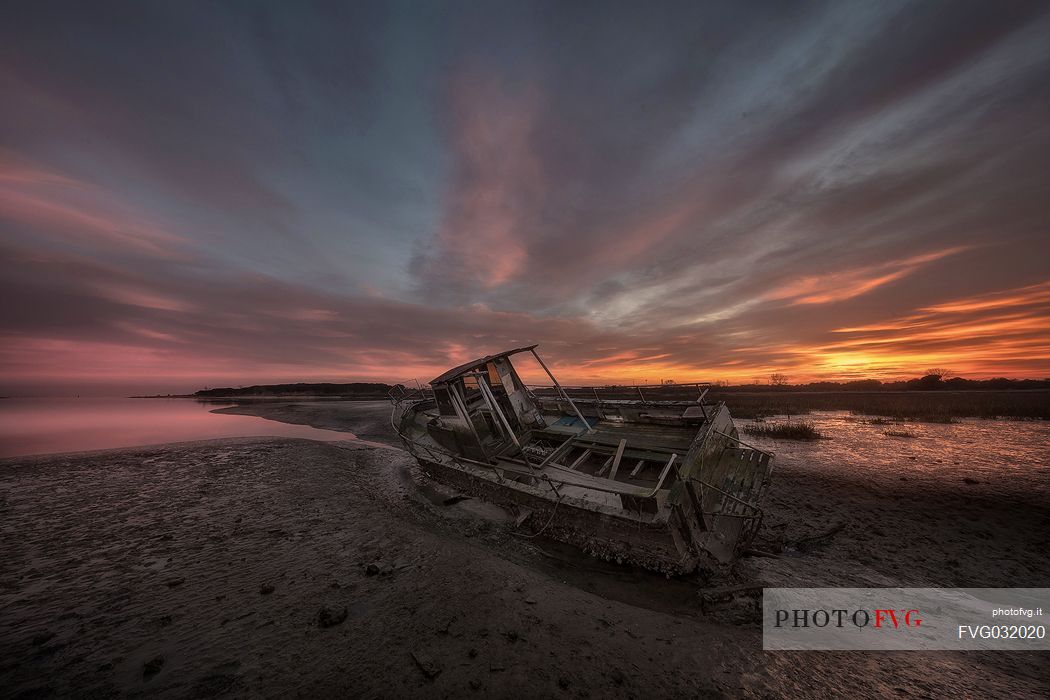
[563, 683]
[266, 589]
[426, 663]
[475, 684]
[330, 617]
[42, 638]
[473, 653]
[152, 667]
[171, 583]
[164, 620]
[530, 601]
[372, 569]
[970, 480]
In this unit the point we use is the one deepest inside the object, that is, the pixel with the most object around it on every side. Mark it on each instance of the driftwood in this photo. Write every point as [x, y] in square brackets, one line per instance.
[744, 595]
[751, 552]
[807, 544]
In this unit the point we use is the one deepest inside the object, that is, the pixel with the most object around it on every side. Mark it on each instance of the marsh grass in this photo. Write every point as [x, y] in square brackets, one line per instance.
[794, 430]
[937, 419]
[893, 406]
[879, 420]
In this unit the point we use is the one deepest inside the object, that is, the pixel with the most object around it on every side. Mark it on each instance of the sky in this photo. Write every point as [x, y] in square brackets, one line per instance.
[221, 194]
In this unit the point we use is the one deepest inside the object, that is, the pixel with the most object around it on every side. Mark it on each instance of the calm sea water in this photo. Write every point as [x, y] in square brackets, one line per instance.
[44, 426]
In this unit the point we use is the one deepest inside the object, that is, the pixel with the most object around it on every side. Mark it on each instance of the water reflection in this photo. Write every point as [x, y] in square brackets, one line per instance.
[42, 426]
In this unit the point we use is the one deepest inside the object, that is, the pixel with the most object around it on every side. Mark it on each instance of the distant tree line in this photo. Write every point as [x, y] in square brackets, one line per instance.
[933, 380]
[936, 379]
[355, 389]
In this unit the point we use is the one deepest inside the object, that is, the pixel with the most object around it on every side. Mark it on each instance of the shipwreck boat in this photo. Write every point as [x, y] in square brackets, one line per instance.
[664, 484]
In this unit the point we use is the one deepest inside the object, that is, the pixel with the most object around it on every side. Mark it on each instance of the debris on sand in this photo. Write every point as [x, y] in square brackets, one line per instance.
[330, 617]
[152, 667]
[43, 638]
[808, 544]
[741, 597]
[427, 664]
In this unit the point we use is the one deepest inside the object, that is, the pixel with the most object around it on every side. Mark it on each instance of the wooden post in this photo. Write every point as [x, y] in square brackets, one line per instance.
[491, 401]
[598, 402]
[461, 408]
[545, 369]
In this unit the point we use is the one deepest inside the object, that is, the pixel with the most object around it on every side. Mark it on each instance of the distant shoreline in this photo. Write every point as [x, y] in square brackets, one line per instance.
[264, 397]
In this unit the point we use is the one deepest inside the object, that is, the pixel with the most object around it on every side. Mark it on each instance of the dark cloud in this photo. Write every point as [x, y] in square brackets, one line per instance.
[266, 191]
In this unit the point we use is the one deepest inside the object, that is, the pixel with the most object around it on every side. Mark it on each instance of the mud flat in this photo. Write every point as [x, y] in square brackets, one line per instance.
[269, 567]
[368, 420]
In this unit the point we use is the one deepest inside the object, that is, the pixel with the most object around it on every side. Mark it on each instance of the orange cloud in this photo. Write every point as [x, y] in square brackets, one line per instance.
[839, 286]
[1034, 294]
[989, 335]
[498, 179]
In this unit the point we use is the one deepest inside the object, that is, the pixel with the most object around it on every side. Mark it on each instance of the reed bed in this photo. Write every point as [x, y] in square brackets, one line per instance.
[792, 430]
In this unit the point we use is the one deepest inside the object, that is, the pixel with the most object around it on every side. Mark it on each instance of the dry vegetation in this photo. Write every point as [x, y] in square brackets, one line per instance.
[936, 407]
[793, 430]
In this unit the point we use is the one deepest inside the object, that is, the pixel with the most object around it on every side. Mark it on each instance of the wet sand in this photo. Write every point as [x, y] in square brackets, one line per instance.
[225, 567]
[368, 420]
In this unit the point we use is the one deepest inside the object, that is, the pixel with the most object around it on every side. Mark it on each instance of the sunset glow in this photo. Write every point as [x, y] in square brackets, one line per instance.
[227, 209]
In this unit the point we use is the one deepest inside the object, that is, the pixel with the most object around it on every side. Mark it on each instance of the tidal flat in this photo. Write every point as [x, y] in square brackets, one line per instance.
[275, 566]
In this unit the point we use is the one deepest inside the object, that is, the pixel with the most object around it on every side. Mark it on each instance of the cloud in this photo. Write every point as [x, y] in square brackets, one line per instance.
[846, 284]
[54, 205]
[194, 195]
[496, 187]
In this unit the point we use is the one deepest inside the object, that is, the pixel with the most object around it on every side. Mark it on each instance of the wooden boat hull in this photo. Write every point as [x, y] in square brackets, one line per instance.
[664, 485]
[598, 530]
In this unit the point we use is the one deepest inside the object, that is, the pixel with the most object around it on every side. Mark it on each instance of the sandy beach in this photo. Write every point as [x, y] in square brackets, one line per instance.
[269, 567]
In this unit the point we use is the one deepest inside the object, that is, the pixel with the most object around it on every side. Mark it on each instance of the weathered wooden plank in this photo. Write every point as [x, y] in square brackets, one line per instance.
[638, 467]
[558, 452]
[580, 460]
[617, 458]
